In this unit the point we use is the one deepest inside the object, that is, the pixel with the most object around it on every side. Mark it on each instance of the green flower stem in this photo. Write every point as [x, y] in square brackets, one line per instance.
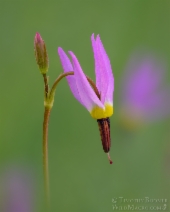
[45, 155]
[45, 144]
[52, 92]
[48, 104]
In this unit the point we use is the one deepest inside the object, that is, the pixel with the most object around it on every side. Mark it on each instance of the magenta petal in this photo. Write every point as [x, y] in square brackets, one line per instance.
[158, 105]
[144, 88]
[103, 72]
[88, 96]
[107, 80]
[97, 67]
[143, 78]
[67, 66]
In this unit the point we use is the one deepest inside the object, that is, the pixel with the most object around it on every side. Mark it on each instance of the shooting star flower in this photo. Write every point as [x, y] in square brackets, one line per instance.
[100, 104]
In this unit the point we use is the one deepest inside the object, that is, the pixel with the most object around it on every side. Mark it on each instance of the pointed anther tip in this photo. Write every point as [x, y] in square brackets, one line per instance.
[110, 161]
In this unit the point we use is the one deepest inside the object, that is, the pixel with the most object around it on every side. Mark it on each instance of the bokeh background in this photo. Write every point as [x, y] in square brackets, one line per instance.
[81, 178]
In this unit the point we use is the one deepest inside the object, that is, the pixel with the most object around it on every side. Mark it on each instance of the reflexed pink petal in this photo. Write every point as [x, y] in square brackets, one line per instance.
[108, 75]
[97, 65]
[88, 96]
[67, 66]
[103, 72]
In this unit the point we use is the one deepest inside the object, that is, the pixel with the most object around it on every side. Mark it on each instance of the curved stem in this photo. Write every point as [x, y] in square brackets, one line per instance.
[58, 80]
[45, 155]
[72, 73]
[50, 96]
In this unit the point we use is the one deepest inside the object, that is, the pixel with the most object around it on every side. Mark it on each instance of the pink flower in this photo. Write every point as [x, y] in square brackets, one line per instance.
[80, 87]
[145, 96]
[99, 108]
[17, 191]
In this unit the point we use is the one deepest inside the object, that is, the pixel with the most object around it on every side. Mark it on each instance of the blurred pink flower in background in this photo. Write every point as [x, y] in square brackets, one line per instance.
[145, 97]
[16, 189]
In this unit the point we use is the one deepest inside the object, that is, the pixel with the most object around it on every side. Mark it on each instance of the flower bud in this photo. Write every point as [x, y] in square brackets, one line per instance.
[41, 53]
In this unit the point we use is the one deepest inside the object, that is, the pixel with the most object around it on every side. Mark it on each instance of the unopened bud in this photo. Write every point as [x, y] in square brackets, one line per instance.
[41, 53]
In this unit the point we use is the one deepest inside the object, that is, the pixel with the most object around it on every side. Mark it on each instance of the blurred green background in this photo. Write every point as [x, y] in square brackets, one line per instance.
[81, 178]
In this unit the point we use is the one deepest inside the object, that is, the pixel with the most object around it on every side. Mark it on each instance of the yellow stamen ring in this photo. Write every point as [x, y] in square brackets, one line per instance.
[100, 113]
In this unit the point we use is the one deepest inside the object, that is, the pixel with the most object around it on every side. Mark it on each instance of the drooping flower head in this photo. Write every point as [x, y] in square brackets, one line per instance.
[99, 108]
[80, 87]
[145, 97]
